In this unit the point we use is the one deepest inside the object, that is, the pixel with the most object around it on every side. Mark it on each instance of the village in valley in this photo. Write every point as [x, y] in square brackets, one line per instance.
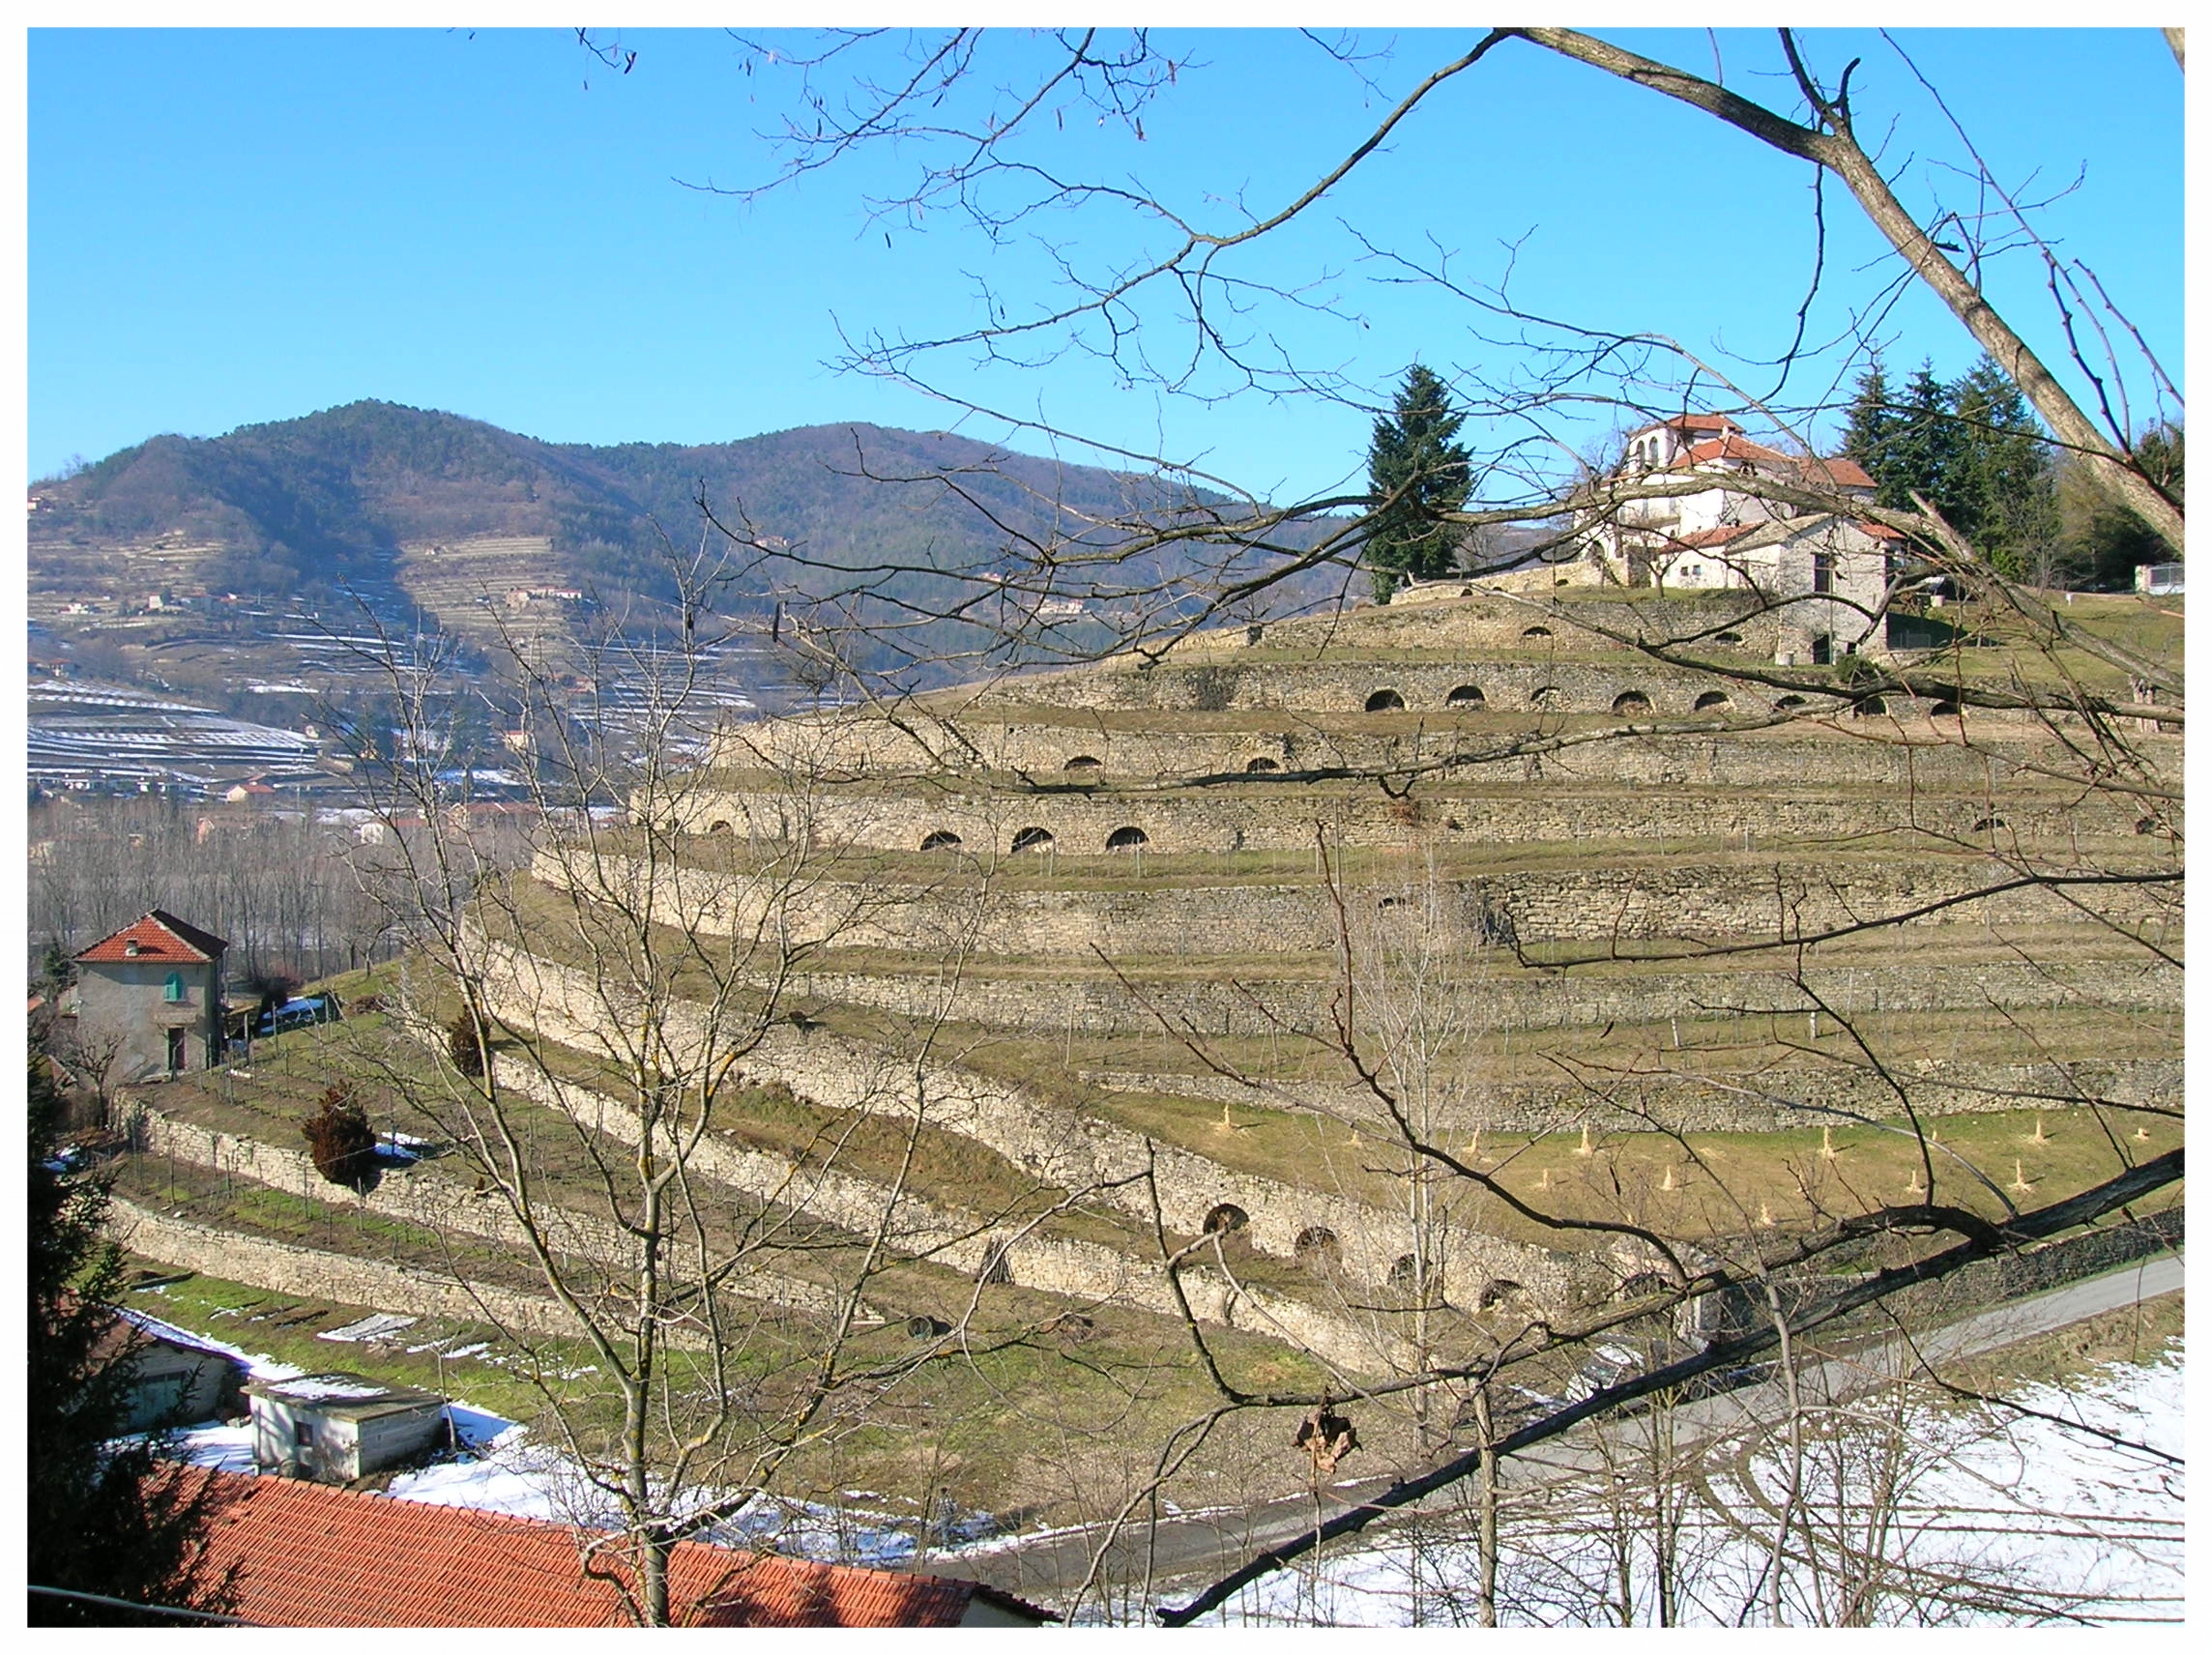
[866, 1027]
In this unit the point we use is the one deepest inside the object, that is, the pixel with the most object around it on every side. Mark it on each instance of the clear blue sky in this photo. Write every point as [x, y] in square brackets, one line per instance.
[232, 227]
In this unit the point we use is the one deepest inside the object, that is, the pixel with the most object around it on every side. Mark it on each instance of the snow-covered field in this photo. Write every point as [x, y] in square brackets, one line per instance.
[1973, 1514]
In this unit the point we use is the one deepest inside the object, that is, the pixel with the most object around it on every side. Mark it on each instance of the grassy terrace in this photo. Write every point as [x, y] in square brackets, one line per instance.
[982, 1423]
[1956, 945]
[1296, 1148]
[1809, 859]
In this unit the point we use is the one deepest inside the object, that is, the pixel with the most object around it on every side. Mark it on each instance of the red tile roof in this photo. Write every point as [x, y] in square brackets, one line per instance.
[1844, 473]
[1729, 448]
[303, 1554]
[1717, 537]
[160, 935]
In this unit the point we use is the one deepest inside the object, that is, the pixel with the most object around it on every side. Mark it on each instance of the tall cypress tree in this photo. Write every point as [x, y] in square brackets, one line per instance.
[1415, 471]
[99, 1521]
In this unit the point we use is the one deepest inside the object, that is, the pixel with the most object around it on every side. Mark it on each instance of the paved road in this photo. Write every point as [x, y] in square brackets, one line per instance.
[1209, 1545]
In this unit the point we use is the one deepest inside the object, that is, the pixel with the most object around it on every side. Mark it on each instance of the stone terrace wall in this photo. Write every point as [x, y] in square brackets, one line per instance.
[1461, 615]
[1284, 817]
[312, 1273]
[1691, 899]
[1773, 1100]
[1506, 999]
[426, 1197]
[1340, 688]
[1906, 751]
[1056, 1145]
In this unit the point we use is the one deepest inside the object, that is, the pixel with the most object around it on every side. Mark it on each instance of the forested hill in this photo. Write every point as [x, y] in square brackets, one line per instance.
[301, 505]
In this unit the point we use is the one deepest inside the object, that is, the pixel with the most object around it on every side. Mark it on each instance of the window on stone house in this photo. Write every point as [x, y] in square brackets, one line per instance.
[173, 987]
[1824, 571]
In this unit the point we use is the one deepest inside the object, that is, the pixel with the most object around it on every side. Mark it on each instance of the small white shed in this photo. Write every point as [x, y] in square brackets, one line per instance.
[332, 1428]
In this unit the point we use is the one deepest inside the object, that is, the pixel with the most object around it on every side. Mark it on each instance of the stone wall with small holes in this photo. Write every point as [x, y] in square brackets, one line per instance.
[1058, 1145]
[1927, 756]
[1244, 816]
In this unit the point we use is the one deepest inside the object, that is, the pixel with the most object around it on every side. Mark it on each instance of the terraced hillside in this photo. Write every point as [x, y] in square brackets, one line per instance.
[1173, 907]
[1400, 976]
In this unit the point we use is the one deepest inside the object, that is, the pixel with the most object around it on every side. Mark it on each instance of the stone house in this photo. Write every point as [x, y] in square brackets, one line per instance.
[332, 1428]
[151, 995]
[1718, 537]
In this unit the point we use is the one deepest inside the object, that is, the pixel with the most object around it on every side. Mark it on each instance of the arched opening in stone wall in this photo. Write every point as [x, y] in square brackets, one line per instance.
[1032, 839]
[1535, 631]
[1317, 1248]
[995, 1272]
[1789, 704]
[1386, 701]
[1944, 710]
[1630, 703]
[943, 839]
[1642, 1284]
[1732, 639]
[1712, 700]
[1403, 1269]
[1466, 695]
[1467, 592]
[1226, 1219]
[1083, 761]
[1127, 839]
[1262, 766]
[717, 827]
[1869, 706]
[1544, 695]
[1988, 823]
[1496, 1293]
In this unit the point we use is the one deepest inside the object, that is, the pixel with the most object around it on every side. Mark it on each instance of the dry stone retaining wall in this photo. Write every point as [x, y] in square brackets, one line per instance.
[1253, 1006]
[1284, 818]
[1056, 1145]
[1745, 899]
[279, 1266]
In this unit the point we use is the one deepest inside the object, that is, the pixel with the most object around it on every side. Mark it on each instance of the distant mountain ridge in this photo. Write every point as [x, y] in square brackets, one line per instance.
[331, 499]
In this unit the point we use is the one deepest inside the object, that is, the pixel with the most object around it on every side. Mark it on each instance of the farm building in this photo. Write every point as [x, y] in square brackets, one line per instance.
[332, 1428]
[175, 1378]
[151, 995]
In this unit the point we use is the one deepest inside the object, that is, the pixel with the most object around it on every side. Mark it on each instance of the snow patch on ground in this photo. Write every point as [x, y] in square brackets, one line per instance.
[2060, 1522]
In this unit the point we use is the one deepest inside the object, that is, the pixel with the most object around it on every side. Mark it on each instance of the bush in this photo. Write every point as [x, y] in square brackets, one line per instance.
[341, 1140]
[464, 1046]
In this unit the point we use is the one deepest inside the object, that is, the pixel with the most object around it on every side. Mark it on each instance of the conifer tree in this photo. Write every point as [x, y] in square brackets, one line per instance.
[2000, 492]
[1416, 472]
[1871, 427]
[1924, 448]
[100, 1520]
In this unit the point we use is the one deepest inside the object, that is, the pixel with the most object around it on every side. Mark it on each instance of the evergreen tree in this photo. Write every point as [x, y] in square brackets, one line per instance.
[1871, 428]
[2002, 487]
[99, 1521]
[1415, 471]
[1924, 448]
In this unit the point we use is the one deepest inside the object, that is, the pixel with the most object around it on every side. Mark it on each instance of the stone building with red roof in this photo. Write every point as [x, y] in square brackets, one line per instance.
[148, 999]
[1710, 533]
[297, 1554]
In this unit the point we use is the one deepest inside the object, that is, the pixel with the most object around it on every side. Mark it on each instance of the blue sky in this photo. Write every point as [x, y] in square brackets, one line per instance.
[232, 227]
